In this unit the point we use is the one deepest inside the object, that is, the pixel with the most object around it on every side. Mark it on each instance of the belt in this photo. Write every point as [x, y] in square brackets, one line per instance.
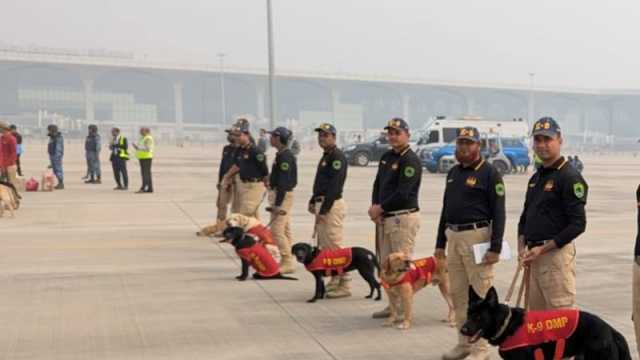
[399, 212]
[251, 180]
[532, 244]
[470, 226]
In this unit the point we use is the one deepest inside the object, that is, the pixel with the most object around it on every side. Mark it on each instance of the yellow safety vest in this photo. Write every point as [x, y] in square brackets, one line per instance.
[122, 153]
[141, 154]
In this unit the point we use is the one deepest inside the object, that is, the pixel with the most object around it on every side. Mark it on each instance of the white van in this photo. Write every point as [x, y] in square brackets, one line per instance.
[441, 130]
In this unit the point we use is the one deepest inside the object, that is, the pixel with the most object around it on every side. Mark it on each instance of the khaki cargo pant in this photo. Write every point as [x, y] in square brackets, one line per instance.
[399, 234]
[553, 280]
[636, 302]
[464, 272]
[247, 198]
[12, 172]
[330, 232]
[225, 198]
[281, 224]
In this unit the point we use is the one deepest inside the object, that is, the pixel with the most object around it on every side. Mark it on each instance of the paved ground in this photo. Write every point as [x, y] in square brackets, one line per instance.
[89, 273]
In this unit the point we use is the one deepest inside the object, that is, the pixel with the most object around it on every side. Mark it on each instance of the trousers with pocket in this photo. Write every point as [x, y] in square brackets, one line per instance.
[281, 224]
[225, 198]
[464, 272]
[552, 282]
[247, 198]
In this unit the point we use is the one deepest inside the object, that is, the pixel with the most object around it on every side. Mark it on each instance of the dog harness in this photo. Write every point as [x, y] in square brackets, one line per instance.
[263, 234]
[541, 327]
[260, 259]
[421, 269]
[331, 260]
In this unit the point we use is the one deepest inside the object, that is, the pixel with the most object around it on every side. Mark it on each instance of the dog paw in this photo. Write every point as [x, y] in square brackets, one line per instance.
[388, 323]
[378, 298]
[241, 278]
[311, 301]
[405, 325]
[368, 296]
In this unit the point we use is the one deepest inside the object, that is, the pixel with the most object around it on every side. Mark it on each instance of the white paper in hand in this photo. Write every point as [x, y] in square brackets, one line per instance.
[480, 249]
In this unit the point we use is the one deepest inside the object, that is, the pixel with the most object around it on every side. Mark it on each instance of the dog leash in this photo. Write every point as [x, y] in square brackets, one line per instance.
[523, 291]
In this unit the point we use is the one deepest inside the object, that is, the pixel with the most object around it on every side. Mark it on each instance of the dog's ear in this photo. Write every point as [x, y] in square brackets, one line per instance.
[492, 297]
[473, 296]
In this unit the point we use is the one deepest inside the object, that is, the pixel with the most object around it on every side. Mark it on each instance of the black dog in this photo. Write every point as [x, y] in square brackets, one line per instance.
[551, 334]
[334, 262]
[253, 254]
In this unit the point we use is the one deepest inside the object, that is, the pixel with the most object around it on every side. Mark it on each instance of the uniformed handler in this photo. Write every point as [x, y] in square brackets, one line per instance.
[327, 203]
[636, 276]
[225, 194]
[283, 179]
[472, 213]
[552, 218]
[250, 166]
[394, 200]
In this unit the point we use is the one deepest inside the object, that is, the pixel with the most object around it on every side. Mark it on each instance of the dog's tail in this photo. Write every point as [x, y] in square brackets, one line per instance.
[621, 345]
[376, 263]
[282, 277]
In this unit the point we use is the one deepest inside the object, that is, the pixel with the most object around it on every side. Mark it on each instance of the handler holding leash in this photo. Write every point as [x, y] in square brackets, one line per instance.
[394, 201]
[251, 166]
[284, 178]
[472, 213]
[328, 205]
[553, 216]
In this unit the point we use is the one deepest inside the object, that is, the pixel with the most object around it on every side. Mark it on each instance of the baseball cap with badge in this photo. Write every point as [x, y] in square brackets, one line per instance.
[281, 132]
[469, 133]
[398, 124]
[327, 128]
[546, 126]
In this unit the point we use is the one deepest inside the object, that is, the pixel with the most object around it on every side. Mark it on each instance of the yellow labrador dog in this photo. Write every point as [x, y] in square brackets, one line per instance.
[9, 199]
[402, 278]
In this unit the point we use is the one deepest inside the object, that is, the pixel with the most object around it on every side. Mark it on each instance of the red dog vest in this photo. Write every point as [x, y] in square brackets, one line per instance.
[422, 269]
[331, 260]
[541, 327]
[263, 233]
[260, 259]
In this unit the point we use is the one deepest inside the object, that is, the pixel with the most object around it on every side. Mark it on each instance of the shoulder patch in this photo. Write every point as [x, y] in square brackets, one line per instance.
[409, 171]
[284, 166]
[337, 164]
[578, 190]
[260, 157]
[500, 189]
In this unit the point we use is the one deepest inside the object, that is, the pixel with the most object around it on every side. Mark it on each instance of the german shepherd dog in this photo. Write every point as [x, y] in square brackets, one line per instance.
[261, 257]
[362, 260]
[549, 334]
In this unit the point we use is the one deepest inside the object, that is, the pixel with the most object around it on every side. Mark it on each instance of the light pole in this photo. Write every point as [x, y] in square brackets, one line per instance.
[223, 101]
[531, 112]
[272, 101]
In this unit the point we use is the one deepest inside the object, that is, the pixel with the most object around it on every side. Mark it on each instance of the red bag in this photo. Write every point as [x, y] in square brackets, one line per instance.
[31, 185]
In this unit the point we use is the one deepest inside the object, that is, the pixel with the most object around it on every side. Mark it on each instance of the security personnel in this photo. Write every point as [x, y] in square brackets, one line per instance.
[283, 179]
[55, 148]
[636, 276]
[553, 216]
[250, 165]
[327, 203]
[119, 157]
[394, 200]
[472, 213]
[144, 153]
[225, 194]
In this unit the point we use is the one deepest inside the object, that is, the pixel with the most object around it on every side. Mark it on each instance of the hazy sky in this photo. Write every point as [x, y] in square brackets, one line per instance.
[575, 43]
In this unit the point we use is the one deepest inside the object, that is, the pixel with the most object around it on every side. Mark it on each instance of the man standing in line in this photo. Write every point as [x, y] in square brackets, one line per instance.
[55, 148]
[119, 157]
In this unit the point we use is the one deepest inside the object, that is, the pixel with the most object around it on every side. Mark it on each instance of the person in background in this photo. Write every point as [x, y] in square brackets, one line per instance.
[19, 150]
[92, 147]
[263, 141]
[8, 154]
[144, 153]
[119, 157]
[55, 149]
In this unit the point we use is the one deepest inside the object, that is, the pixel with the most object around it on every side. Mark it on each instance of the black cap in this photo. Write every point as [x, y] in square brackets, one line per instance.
[398, 124]
[326, 127]
[281, 132]
[469, 133]
[546, 126]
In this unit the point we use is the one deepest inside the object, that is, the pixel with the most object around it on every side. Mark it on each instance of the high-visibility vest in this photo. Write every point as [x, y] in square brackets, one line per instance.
[122, 152]
[141, 154]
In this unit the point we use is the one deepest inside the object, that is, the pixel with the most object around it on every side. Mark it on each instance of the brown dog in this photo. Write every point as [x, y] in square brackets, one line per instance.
[8, 200]
[402, 278]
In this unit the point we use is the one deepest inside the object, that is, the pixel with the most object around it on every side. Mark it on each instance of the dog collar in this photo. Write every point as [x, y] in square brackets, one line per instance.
[503, 328]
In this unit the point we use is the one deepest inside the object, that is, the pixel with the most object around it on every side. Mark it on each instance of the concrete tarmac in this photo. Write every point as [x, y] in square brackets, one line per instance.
[92, 273]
